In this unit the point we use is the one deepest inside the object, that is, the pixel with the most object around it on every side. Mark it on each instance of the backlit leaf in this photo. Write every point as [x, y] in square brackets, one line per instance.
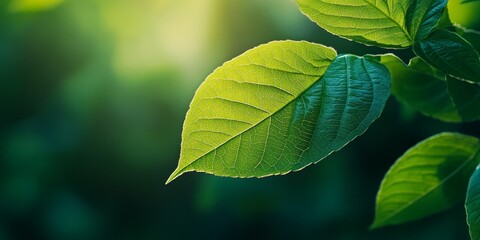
[276, 109]
[430, 177]
[393, 24]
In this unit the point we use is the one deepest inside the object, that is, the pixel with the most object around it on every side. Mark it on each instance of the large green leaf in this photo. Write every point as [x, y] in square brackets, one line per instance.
[466, 97]
[422, 87]
[450, 53]
[393, 24]
[472, 204]
[270, 111]
[430, 177]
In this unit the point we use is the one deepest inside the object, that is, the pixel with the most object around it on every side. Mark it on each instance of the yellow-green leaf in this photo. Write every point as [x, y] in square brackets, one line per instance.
[395, 24]
[276, 109]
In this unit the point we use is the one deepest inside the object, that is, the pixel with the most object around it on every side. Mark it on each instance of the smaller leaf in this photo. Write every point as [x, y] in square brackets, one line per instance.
[422, 87]
[472, 204]
[391, 24]
[466, 97]
[423, 15]
[430, 177]
[376, 23]
[450, 53]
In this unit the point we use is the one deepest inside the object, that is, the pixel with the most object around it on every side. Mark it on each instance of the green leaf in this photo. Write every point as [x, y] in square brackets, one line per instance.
[466, 97]
[422, 87]
[430, 177]
[371, 22]
[450, 53]
[423, 15]
[394, 24]
[270, 111]
[472, 204]
[472, 36]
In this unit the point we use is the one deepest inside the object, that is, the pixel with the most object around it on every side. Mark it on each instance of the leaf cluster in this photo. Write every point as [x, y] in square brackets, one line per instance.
[284, 105]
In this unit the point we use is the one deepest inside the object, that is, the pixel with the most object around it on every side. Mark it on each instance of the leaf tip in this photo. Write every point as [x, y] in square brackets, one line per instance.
[173, 176]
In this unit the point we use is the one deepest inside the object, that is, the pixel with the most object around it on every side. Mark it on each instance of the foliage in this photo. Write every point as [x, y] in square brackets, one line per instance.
[428, 178]
[287, 104]
[258, 117]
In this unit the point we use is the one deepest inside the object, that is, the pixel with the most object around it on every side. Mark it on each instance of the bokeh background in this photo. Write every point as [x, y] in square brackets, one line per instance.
[93, 94]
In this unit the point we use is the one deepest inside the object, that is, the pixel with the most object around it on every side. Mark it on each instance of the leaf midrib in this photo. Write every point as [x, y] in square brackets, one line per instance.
[428, 192]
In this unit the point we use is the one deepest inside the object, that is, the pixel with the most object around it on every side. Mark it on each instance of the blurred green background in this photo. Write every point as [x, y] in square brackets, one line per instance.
[93, 94]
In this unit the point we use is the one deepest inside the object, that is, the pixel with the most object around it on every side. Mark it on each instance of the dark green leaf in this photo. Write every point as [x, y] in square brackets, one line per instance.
[422, 87]
[466, 97]
[430, 177]
[472, 36]
[472, 204]
[423, 15]
[450, 53]
[270, 111]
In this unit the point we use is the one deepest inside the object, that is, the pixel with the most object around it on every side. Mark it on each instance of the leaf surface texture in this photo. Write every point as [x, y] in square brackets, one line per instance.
[430, 177]
[385, 23]
[277, 108]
